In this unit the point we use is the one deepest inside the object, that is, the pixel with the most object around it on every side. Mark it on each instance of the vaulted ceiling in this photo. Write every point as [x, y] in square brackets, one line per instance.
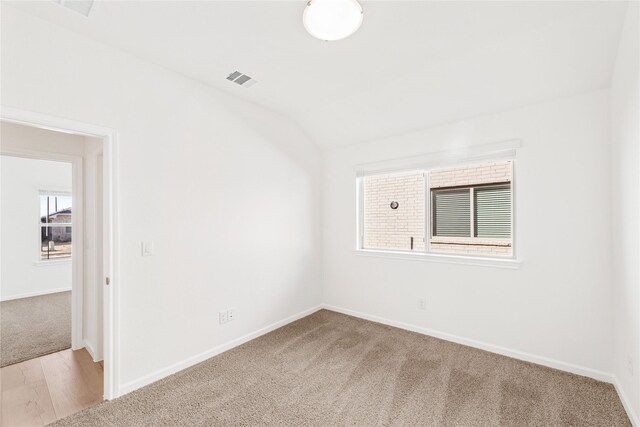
[411, 65]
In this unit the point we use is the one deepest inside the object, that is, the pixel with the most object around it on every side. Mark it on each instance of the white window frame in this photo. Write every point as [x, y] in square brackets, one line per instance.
[502, 151]
[52, 192]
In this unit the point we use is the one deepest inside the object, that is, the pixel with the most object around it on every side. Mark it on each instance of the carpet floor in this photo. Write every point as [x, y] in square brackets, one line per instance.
[332, 369]
[34, 326]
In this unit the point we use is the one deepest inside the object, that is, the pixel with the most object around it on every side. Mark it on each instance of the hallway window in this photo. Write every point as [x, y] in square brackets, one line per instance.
[55, 225]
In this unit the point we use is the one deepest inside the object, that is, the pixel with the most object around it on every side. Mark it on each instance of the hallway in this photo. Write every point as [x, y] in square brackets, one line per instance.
[40, 391]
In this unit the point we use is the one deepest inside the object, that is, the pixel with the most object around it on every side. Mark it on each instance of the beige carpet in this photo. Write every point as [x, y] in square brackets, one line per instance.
[331, 369]
[35, 326]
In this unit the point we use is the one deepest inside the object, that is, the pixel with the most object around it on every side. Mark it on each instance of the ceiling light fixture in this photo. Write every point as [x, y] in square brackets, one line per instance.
[81, 6]
[332, 20]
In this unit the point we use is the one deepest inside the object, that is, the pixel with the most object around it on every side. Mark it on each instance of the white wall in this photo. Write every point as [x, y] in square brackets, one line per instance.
[558, 304]
[229, 193]
[625, 131]
[21, 272]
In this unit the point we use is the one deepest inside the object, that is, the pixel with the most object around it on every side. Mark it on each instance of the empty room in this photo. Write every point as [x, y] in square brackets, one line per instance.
[319, 213]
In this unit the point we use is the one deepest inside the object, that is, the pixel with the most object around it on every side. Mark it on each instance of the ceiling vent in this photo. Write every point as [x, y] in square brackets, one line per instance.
[82, 7]
[241, 79]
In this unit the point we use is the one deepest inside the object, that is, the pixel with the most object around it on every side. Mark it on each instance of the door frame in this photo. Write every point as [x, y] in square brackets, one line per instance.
[110, 229]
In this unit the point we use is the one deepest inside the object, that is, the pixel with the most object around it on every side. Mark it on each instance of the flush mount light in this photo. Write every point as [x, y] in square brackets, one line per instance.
[332, 20]
[81, 6]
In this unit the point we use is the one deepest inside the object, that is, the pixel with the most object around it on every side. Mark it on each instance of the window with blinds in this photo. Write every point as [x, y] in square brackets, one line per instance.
[451, 213]
[492, 208]
[465, 209]
[471, 209]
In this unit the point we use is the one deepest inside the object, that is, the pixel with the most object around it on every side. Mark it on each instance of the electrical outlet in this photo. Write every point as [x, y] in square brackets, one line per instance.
[422, 304]
[630, 365]
[223, 317]
[231, 314]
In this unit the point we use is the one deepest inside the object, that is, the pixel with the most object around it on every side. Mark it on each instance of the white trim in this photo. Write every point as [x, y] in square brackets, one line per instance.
[359, 213]
[193, 360]
[509, 263]
[110, 217]
[52, 262]
[37, 155]
[87, 345]
[54, 123]
[516, 354]
[53, 190]
[472, 213]
[36, 294]
[514, 211]
[626, 403]
[471, 154]
[427, 220]
[111, 267]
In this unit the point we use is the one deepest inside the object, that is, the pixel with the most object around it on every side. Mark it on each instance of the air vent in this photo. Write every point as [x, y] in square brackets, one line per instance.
[83, 7]
[241, 79]
[234, 75]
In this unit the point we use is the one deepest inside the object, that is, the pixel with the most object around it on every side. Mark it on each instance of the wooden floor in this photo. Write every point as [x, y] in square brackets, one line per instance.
[42, 390]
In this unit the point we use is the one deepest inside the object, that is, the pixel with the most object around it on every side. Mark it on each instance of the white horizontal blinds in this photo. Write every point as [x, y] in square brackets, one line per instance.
[452, 213]
[492, 208]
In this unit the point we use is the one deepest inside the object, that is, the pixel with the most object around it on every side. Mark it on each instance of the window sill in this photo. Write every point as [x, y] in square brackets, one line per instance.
[52, 262]
[508, 263]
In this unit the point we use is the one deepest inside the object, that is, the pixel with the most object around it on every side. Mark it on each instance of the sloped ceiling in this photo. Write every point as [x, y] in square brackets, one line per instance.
[412, 64]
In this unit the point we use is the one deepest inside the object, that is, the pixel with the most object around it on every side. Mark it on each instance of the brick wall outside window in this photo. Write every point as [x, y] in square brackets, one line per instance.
[386, 228]
[486, 173]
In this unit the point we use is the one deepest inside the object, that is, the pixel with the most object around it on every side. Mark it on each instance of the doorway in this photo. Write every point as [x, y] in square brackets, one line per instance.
[83, 232]
[36, 257]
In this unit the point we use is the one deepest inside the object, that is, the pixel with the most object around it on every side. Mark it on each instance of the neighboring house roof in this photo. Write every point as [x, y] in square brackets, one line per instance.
[66, 211]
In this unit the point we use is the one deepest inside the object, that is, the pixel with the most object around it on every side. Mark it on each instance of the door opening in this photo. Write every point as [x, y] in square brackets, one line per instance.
[92, 230]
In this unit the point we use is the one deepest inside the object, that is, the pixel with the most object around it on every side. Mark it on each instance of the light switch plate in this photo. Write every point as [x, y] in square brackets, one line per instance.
[147, 248]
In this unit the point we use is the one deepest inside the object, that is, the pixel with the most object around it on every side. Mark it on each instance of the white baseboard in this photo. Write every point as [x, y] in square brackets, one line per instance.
[540, 360]
[626, 402]
[90, 350]
[176, 367]
[36, 294]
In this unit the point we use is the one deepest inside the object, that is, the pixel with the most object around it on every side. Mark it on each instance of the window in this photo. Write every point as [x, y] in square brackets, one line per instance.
[55, 226]
[451, 213]
[394, 211]
[469, 210]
